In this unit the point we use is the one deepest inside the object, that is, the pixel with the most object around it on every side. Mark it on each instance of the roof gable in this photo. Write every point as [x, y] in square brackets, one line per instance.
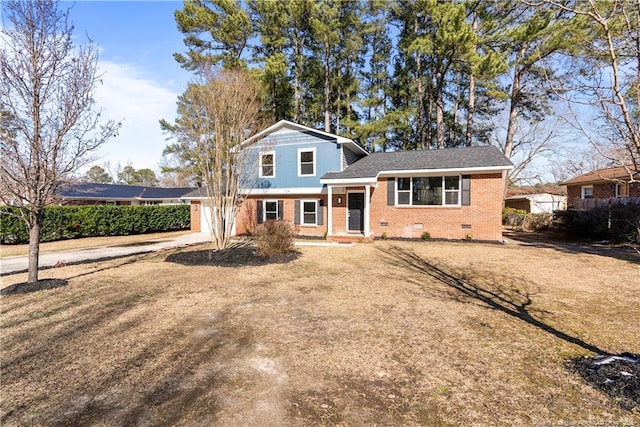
[285, 126]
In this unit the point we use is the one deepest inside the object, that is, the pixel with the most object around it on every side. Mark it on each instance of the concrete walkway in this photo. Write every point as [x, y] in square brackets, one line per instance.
[20, 263]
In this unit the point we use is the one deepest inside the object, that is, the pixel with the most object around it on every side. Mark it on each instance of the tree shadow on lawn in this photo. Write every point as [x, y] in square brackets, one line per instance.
[240, 254]
[511, 301]
[543, 240]
[516, 303]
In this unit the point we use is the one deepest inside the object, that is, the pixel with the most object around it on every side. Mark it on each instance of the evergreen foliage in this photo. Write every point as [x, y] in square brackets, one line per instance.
[70, 222]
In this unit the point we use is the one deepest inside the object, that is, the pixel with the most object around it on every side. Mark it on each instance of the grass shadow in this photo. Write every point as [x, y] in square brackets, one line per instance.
[240, 254]
[508, 300]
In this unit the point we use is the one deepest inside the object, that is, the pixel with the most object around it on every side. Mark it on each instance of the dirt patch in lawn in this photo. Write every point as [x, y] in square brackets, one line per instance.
[386, 333]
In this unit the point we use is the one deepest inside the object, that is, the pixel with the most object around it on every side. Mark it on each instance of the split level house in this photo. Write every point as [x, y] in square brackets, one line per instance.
[602, 187]
[328, 185]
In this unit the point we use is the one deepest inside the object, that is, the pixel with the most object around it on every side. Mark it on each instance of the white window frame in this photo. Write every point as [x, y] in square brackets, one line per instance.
[264, 210]
[266, 153]
[302, 202]
[444, 191]
[582, 191]
[618, 186]
[315, 158]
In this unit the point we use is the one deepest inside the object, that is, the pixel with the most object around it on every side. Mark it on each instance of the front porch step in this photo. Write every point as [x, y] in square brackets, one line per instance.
[349, 238]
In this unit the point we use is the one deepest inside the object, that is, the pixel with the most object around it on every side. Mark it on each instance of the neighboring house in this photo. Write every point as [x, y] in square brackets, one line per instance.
[329, 186]
[537, 203]
[602, 187]
[114, 194]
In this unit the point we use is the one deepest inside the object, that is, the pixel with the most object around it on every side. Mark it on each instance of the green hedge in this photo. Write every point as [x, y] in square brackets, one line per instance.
[619, 223]
[70, 222]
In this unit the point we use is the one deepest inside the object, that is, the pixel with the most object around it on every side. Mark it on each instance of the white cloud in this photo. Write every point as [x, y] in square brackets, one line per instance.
[126, 95]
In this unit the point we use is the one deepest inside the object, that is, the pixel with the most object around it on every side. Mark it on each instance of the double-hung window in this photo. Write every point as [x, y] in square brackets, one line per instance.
[309, 212]
[622, 189]
[587, 192]
[307, 162]
[267, 165]
[270, 210]
[428, 191]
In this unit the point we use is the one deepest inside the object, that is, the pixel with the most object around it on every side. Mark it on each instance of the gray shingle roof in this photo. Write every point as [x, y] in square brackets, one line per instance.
[119, 192]
[450, 158]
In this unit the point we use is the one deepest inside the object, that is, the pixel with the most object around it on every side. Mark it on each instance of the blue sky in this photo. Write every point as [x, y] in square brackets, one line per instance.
[141, 80]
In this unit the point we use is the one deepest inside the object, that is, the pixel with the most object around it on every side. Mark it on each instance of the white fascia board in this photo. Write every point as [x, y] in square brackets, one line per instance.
[352, 144]
[414, 172]
[292, 190]
[348, 181]
[297, 127]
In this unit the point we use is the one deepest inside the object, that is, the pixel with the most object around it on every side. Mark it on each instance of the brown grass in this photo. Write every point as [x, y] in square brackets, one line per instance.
[88, 242]
[388, 333]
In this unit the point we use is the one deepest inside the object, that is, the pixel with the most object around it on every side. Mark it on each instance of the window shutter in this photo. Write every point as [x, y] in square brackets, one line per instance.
[320, 211]
[259, 209]
[296, 212]
[391, 191]
[466, 190]
[280, 209]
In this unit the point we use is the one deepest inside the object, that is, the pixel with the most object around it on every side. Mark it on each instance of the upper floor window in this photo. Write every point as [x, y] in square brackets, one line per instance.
[307, 162]
[586, 192]
[267, 165]
[432, 190]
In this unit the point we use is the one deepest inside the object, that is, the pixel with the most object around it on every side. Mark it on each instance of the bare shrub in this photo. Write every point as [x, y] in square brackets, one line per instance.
[274, 237]
[537, 222]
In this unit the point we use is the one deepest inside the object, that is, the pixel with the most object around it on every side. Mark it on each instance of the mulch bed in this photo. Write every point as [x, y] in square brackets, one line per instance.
[618, 376]
[40, 285]
[231, 257]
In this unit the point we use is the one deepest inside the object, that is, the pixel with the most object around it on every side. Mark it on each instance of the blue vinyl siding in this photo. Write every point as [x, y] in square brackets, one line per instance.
[286, 147]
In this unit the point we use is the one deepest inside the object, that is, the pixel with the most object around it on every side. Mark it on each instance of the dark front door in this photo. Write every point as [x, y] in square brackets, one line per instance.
[355, 211]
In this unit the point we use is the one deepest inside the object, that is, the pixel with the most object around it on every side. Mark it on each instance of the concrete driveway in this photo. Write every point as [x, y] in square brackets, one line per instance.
[20, 263]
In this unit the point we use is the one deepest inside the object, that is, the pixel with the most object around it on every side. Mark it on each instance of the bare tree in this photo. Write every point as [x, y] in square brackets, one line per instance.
[606, 78]
[46, 97]
[215, 116]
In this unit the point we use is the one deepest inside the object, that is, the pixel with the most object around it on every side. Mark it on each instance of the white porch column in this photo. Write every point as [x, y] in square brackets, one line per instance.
[367, 196]
[329, 210]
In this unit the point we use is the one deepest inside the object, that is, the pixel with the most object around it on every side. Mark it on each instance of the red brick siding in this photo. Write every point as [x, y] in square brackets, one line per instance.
[247, 218]
[600, 191]
[196, 208]
[484, 215]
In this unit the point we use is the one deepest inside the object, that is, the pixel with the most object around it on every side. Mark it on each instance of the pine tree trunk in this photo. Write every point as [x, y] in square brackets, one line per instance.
[471, 110]
[327, 92]
[34, 249]
[440, 111]
[472, 90]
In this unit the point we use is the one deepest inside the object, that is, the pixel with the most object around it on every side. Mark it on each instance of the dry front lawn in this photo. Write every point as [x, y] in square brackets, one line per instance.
[387, 333]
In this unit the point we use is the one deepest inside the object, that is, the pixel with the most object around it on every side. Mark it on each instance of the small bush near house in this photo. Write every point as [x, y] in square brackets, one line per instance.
[426, 236]
[513, 217]
[274, 238]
